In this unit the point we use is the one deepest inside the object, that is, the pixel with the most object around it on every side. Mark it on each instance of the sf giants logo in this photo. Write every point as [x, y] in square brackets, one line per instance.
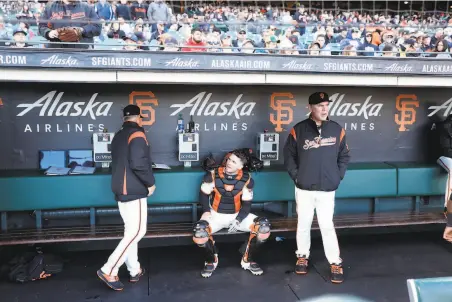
[145, 100]
[406, 104]
[283, 109]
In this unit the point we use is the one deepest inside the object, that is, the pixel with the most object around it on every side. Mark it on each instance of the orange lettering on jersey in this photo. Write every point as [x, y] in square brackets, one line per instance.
[57, 16]
[79, 15]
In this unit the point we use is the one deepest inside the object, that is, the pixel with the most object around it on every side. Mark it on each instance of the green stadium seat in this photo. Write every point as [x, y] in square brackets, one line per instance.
[414, 179]
[82, 191]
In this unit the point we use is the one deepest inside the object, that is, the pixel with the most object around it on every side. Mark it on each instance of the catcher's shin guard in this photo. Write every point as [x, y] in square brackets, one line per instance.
[260, 231]
[202, 236]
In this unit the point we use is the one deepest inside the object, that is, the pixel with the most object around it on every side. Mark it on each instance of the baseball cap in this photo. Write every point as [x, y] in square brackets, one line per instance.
[318, 97]
[131, 110]
[19, 30]
[130, 36]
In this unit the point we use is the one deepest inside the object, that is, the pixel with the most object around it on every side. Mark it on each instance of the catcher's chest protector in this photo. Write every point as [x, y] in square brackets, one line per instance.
[228, 189]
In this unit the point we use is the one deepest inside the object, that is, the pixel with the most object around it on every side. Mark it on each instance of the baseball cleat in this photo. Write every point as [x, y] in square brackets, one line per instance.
[253, 267]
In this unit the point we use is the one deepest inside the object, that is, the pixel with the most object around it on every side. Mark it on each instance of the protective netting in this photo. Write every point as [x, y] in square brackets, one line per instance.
[283, 27]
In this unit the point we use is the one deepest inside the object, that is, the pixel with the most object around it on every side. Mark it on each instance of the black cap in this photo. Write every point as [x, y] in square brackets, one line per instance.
[318, 97]
[130, 110]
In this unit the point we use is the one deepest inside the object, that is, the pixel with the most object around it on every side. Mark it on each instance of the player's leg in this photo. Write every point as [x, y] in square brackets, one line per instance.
[134, 267]
[305, 211]
[259, 228]
[202, 236]
[134, 215]
[325, 212]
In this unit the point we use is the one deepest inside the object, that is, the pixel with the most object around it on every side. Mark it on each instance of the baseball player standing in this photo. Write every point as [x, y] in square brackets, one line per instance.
[132, 182]
[316, 156]
[445, 161]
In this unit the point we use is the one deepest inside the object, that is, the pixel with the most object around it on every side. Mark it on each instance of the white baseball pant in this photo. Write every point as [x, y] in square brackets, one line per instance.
[218, 221]
[446, 163]
[134, 214]
[323, 204]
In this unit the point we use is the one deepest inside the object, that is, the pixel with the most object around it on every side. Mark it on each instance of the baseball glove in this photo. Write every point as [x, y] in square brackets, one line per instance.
[69, 34]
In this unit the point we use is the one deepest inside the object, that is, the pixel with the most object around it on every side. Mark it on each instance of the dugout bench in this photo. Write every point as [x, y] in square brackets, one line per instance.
[371, 195]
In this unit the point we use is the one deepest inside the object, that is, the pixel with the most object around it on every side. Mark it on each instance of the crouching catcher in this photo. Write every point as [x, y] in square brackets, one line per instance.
[231, 191]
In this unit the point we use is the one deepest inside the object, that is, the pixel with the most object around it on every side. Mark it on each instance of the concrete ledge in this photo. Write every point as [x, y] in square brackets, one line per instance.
[190, 77]
[218, 78]
[57, 75]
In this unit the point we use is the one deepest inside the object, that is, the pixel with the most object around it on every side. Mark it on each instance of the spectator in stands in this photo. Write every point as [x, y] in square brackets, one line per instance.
[115, 31]
[26, 28]
[226, 41]
[425, 47]
[248, 47]
[287, 48]
[158, 11]
[368, 48]
[349, 51]
[139, 10]
[342, 35]
[409, 49]
[81, 15]
[20, 37]
[438, 35]
[271, 46]
[241, 38]
[25, 14]
[196, 40]
[104, 10]
[4, 36]
[329, 37]
[354, 41]
[314, 49]
[442, 50]
[123, 10]
[127, 27]
[388, 38]
[213, 42]
[131, 42]
[324, 48]
[390, 50]
[160, 31]
[169, 43]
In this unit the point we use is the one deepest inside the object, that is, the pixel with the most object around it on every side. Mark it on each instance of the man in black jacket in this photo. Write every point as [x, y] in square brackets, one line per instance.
[132, 182]
[445, 161]
[316, 156]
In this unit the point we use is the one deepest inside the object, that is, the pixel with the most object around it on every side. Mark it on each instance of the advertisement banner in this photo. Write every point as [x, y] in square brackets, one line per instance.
[223, 62]
[384, 124]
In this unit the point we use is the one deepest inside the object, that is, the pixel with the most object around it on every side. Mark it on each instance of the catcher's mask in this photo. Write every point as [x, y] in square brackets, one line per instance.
[209, 163]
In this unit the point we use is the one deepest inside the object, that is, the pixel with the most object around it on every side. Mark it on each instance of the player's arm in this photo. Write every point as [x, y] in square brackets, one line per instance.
[247, 198]
[205, 191]
[44, 27]
[344, 154]
[139, 159]
[93, 27]
[291, 155]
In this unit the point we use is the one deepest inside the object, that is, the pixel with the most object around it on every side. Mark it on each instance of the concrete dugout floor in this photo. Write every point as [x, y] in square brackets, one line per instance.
[376, 268]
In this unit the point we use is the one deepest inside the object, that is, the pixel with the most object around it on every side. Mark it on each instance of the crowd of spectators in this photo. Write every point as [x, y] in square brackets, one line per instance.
[228, 26]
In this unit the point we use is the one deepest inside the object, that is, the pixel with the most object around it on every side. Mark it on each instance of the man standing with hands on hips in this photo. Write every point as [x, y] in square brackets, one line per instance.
[132, 182]
[316, 156]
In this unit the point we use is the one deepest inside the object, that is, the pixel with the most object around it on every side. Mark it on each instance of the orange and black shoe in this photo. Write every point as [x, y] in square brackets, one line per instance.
[301, 268]
[337, 273]
[209, 268]
[111, 281]
[135, 279]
